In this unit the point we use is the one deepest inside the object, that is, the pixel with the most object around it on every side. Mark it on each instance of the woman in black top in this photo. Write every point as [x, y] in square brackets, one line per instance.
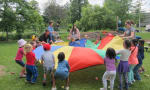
[45, 37]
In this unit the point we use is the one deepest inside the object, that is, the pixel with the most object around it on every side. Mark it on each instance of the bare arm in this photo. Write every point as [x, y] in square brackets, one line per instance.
[131, 36]
[123, 35]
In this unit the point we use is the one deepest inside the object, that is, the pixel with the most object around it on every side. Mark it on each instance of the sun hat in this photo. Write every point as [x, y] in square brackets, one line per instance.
[46, 46]
[21, 42]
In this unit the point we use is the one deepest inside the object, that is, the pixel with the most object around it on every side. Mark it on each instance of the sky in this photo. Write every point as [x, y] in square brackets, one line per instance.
[44, 3]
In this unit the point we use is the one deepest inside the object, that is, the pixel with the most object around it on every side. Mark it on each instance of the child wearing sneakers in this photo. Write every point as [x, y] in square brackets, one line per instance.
[30, 64]
[123, 67]
[133, 61]
[48, 62]
[19, 56]
[110, 73]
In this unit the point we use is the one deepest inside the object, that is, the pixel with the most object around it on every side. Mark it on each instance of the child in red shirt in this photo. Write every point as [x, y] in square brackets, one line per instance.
[19, 56]
[30, 64]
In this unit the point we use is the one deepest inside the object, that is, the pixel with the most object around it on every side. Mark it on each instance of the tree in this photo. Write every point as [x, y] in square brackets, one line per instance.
[75, 9]
[7, 17]
[19, 15]
[95, 17]
[120, 8]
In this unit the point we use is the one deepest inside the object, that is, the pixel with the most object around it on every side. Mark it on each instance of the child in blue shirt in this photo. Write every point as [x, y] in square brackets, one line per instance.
[140, 59]
[62, 71]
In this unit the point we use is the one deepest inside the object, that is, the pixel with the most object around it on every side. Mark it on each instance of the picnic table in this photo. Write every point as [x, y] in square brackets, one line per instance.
[147, 47]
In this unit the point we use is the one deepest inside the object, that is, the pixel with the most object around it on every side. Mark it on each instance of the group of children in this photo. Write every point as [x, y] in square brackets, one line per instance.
[29, 70]
[131, 59]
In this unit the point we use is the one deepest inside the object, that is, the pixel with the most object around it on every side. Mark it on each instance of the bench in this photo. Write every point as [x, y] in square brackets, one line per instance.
[147, 47]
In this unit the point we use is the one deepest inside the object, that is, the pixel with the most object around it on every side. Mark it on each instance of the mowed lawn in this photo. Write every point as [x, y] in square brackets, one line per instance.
[79, 80]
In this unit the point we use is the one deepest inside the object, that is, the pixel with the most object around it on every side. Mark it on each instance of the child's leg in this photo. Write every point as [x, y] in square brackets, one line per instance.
[34, 74]
[67, 82]
[132, 74]
[21, 63]
[105, 77]
[120, 79]
[125, 74]
[135, 70]
[53, 79]
[29, 73]
[44, 77]
[142, 68]
[112, 79]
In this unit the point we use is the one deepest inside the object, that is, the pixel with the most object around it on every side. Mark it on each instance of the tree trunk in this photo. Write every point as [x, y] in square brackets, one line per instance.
[7, 34]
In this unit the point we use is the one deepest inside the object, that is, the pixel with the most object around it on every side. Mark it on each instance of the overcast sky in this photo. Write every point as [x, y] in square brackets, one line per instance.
[42, 3]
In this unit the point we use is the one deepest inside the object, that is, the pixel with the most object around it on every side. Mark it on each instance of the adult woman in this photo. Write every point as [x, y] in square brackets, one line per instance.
[45, 38]
[130, 31]
[74, 33]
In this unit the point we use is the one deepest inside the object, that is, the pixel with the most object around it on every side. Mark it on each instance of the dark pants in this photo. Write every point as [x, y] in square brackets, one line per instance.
[136, 73]
[20, 62]
[125, 75]
[137, 67]
[31, 73]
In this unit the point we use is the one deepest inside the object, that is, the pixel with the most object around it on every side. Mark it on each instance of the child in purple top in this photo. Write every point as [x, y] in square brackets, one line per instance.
[110, 73]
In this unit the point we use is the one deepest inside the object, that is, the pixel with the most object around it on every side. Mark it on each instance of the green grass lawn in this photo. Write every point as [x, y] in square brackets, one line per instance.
[144, 35]
[79, 80]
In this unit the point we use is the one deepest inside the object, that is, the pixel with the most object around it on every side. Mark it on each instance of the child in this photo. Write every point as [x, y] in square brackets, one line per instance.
[140, 59]
[73, 42]
[48, 62]
[34, 38]
[62, 71]
[38, 43]
[30, 64]
[133, 61]
[19, 56]
[123, 66]
[110, 73]
[33, 43]
[58, 40]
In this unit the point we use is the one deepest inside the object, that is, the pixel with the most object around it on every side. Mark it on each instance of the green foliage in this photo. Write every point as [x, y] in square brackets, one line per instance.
[75, 9]
[20, 15]
[95, 17]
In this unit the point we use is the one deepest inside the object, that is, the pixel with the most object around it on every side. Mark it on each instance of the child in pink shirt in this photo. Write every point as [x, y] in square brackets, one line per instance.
[133, 61]
[19, 56]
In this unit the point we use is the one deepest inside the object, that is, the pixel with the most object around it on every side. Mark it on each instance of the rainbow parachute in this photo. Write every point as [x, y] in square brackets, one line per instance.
[84, 53]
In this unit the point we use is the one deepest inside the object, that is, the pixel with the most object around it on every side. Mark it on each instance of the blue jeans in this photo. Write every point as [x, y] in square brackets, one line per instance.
[52, 37]
[137, 67]
[31, 73]
[136, 73]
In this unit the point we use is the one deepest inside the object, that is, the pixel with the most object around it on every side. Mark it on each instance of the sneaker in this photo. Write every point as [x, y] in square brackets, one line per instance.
[54, 88]
[67, 88]
[133, 81]
[22, 76]
[32, 82]
[27, 81]
[102, 89]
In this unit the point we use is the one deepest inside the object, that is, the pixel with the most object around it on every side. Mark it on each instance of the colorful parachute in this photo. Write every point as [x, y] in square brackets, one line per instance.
[84, 54]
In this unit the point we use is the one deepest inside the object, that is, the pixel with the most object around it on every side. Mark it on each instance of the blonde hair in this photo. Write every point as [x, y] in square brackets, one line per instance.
[28, 48]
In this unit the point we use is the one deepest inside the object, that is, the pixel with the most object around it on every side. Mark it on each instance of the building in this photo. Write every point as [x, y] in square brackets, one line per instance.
[145, 20]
